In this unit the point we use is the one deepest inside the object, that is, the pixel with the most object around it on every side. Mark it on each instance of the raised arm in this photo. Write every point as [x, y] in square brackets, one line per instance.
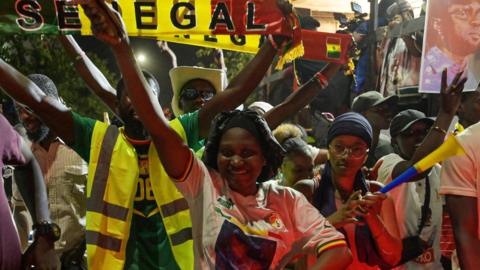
[54, 114]
[245, 82]
[108, 26]
[450, 98]
[219, 59]
[89, 72]
[239, 88]
[300, 98]
[163, 45]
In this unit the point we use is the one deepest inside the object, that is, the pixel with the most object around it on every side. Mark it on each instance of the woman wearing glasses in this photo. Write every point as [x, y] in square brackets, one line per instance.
[345, 197]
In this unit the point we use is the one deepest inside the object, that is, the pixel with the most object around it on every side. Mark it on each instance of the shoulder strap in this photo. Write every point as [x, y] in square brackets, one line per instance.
[426, 205]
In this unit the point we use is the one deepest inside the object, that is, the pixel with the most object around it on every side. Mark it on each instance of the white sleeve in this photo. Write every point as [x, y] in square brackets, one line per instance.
[469, 139]
[386, 169]
[313, 228]
[195, 176]
[459, 173]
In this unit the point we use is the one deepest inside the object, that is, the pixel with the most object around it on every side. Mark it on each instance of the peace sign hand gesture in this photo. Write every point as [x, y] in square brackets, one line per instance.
[451, 95]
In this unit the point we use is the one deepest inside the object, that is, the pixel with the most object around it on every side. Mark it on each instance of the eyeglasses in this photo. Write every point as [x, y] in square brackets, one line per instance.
[354, 151]
[192, 94]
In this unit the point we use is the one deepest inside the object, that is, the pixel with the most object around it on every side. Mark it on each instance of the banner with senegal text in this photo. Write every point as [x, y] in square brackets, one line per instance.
[228, 24]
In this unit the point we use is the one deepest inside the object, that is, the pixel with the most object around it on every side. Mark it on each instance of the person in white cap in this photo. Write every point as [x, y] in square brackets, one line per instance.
[149, 229]
[194, 86]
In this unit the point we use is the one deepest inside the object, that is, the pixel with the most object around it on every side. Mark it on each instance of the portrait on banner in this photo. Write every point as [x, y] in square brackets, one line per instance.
[452, 40]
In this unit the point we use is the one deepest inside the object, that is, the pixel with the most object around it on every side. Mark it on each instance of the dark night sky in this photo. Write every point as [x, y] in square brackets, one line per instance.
[157, 62]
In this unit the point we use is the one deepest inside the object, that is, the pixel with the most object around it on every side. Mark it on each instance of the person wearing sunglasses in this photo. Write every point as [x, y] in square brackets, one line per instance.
[193, 87]
[160, 210]
[345, 197]
[379, 112]
[418, 207]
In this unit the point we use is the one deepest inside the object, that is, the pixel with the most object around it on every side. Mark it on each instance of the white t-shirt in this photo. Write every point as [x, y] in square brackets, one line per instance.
[461, 174]
[408, 200]
[264, 231]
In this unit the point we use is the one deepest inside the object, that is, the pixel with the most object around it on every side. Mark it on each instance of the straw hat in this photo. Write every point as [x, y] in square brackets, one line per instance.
[179, 76]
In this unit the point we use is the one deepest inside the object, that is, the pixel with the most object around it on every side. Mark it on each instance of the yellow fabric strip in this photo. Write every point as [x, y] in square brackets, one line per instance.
[330, 245]
[334, 47]
[247, 44]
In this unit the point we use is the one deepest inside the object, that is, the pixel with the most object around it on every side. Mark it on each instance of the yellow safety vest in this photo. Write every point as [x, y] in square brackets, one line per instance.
[111, 188]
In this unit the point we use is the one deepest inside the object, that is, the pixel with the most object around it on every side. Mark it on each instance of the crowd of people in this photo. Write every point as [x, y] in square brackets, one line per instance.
[222, 187]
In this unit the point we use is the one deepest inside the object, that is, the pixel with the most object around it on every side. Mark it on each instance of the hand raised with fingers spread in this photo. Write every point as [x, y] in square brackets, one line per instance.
[451, 95]
[163, 45]
[107, 24]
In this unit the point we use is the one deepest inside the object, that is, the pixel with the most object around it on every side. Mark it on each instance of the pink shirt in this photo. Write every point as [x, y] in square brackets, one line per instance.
[10, 255]
[262, 231]
[461, 174]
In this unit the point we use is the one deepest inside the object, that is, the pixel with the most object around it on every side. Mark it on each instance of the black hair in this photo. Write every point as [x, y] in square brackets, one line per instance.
[152, 81]
[271, 149]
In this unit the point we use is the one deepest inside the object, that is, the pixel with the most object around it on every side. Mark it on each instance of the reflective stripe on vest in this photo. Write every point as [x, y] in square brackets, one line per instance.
[113, 160]
[173, 207]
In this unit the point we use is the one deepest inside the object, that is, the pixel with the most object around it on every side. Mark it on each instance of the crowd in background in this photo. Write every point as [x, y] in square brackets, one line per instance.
[224, 184]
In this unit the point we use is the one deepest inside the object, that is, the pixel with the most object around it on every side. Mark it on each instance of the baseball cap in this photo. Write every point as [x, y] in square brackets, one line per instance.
[179, 76]
[371, 99]
[405, 119]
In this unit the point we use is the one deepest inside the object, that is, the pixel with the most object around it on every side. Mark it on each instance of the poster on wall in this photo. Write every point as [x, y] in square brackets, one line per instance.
[452, 41]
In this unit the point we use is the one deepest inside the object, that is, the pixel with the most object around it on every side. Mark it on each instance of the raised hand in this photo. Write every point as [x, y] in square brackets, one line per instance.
[107, 24]
[451, 95]
[163, 45]
[372, 173]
